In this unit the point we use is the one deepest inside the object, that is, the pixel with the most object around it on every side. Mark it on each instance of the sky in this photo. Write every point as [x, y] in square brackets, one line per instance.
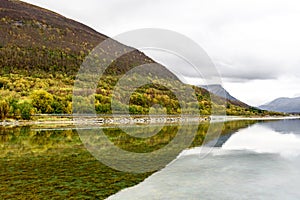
[254, 44]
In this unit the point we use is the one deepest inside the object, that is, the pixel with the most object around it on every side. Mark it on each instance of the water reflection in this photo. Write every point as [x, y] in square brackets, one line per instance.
[17, 141]
[258, 162]
[32, 139]
[270, 137]
[50, 162]
[284, 126]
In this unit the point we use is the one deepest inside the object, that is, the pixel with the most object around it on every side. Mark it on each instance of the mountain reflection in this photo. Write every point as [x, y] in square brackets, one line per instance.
[31, 139]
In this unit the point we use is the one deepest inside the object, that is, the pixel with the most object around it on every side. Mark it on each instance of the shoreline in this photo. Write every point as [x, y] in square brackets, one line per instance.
[132, 120]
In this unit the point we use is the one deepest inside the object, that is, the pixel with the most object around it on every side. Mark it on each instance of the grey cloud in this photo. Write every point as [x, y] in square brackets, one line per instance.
[246, 71]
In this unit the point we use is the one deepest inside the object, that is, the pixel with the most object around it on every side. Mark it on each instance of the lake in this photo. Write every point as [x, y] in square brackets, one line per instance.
[258, 162]
[251, 159]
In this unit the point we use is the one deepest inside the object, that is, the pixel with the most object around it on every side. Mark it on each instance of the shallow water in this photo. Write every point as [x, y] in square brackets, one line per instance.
[51, 162]
[258, 162]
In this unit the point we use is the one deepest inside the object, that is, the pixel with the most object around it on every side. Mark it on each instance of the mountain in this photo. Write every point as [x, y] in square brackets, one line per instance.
[34, 40]
[24, 25]
[41, 53]
[221, 92]
[283, 104]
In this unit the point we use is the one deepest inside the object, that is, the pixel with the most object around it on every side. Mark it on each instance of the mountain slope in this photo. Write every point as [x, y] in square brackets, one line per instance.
[28, 25]
[287, 105]
[221, 92]
[37, 40]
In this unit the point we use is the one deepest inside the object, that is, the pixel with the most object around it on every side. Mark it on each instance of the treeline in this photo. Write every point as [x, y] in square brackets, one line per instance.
[39, 102]
[22, 97]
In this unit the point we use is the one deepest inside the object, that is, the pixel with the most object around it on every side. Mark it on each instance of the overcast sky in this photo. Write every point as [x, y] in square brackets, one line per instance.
[255, 44]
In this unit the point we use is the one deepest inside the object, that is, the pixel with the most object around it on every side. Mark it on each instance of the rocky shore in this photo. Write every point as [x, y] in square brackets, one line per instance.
[105, 120]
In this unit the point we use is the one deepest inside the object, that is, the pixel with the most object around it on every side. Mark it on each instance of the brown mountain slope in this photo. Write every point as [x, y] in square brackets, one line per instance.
[37, 40]
[24, 25]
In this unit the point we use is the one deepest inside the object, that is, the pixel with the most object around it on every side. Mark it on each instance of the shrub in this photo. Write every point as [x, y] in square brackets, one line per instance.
[4, 109]
[42, 101]
[27, 110]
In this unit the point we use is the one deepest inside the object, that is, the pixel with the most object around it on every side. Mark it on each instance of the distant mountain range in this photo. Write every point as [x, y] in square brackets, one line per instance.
[283, 104]
[222, 92]
[219, 91]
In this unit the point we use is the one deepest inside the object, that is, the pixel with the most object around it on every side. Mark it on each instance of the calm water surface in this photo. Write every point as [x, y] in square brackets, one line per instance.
[258, 162]
[252, 160]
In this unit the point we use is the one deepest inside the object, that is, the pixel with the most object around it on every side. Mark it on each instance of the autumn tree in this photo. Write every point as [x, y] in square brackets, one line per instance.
[4, 109]
[42, 101]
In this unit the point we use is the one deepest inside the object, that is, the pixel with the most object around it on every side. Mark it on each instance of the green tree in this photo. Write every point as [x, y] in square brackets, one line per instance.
[27, 110]
[42, 101]
[58, 106]
[4, 109]
[13, 104]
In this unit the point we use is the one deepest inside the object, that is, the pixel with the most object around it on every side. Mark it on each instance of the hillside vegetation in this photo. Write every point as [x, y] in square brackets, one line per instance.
[41, 52]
